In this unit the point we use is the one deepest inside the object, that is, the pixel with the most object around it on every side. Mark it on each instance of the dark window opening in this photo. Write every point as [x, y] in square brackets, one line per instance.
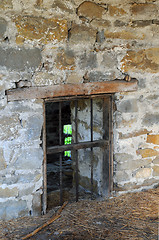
[78, 146]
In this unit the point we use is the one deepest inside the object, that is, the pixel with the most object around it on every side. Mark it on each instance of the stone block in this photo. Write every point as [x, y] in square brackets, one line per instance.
[39, 3]
[26, 191]
[144, 9]
[156, 160]
[119, 23]
[149, 182]
[147, 152]
[74, 78]
[153, 139]
[82, 34]
[128, 106]
[97, 76]
[141, 23]
[133, 134]
[9, 180]
[23, 106]
[20, 59]
[122, 176]
[156, 171]
[9, 127]
[133, 164]
[41, 29]
[100, 38]
[13, 209]
[6, 4]
[100, 24]
[34, 127]
[143, 173]
[64, 7]
[115, 11]
[65, 60]
[150, 119]
[8, 192]
[27, 178]
[36, 204]
[145, 60]
[127, 35]
[155, 21]
[29, 159]
[123, 157]
[109, 61]
[90, 10]
[141, 83]
[3, 26]
[2, 160]
[88, 61]
[45, 79]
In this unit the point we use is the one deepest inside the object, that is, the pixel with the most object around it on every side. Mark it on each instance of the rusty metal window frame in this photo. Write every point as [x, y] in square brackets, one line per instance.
[108, 163]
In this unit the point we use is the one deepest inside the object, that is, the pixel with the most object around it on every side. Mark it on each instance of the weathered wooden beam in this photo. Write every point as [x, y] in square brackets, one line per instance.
[77, 146]
[81, 89]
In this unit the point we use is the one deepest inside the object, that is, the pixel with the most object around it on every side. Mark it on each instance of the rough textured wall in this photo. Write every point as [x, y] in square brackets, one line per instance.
[44, 42]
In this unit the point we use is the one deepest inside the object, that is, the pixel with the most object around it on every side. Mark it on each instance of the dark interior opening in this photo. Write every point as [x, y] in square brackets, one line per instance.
[53, 160]
[78, 149]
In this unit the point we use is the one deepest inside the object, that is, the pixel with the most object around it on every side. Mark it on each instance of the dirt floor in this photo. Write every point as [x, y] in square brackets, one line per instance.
[130, 216]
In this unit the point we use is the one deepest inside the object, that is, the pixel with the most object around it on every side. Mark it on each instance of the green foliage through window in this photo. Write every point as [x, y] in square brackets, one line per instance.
[67, 130]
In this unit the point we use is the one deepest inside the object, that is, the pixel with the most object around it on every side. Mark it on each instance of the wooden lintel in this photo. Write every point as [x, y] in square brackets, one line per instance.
[82, 89]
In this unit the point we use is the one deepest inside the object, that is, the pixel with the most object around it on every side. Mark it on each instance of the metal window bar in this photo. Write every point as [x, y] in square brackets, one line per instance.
[60, 143]
[76, 151]
[91, 123]
[105, 154]
[110, 144]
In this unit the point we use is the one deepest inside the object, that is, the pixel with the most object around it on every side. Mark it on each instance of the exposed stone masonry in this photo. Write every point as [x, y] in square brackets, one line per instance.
[45, 42]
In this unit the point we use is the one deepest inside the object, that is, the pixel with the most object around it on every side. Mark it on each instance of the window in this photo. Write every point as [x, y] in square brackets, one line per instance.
[79, 146]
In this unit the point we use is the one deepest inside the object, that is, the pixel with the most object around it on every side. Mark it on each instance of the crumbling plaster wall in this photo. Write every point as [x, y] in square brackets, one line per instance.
[45, 42]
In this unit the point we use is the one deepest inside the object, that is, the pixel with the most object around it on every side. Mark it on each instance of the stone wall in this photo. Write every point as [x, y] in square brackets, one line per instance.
[45, 42]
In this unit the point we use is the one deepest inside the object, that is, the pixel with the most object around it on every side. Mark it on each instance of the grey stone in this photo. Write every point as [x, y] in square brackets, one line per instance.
[20, 107]
[155, 21]
[119, 23]
[132, 164]
[9, 127]
[2, 160]
[13, 209]
[82, 34]
[98, 76]
[141, 83]
[3, 26]
[26, 178]
[26, 191]
[8, 180]
[141, 23]
[109, 60]
[29, 159]
[156, 160]
[153, 97]
[6, 4]
[36, 204]
[128, 106]
[100, 36]
[20, 59]
[121, 176]
[34, 127]
[150, 119]
[62, 6]
[8, 192]
[88, 61]
[123, 157]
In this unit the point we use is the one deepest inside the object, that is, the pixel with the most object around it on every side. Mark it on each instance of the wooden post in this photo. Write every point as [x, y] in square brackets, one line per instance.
[44, 162]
